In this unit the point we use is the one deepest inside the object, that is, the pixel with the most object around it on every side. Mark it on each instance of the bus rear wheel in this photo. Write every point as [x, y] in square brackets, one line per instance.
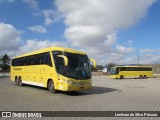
[140, 77]
[145, 77]
[16, 80]
[51, 87]
[19, 81]
[121, 77]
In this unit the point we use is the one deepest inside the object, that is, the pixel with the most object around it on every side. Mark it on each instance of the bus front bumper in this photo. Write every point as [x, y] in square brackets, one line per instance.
[74, 86]
[112, 76]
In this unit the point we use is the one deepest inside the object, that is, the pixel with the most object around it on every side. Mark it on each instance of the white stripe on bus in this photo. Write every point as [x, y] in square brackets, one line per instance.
[33, 83]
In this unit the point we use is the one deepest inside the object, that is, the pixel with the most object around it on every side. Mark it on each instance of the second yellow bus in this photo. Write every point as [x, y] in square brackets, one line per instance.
[131, 72]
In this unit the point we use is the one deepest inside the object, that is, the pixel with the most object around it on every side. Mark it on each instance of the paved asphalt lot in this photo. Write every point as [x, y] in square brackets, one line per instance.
[106, 95]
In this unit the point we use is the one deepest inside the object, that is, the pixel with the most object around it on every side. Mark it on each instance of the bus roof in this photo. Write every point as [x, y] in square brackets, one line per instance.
[70, 50]
[132, 66]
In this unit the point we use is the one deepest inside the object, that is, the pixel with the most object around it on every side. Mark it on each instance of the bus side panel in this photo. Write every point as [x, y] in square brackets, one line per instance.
[12, 74]
[32, 74]
[15, 72]
[133, 74]
[48, 72]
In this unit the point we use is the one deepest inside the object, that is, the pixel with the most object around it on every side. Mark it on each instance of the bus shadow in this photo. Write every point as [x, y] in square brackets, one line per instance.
[93, 91]
[131, 79]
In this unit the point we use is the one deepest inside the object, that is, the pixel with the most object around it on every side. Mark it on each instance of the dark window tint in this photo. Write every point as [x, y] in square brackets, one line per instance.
[59, 62]
[37, 59]
[135, 69]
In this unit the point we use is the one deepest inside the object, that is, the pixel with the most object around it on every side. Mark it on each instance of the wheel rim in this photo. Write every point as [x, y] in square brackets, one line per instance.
[51, 86]
[19, 82]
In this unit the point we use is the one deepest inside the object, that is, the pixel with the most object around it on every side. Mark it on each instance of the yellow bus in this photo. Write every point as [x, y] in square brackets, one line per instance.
[131, 72]
[55, 68]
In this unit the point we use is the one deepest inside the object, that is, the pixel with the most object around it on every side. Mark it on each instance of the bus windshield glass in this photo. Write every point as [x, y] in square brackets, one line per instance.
[114, 71]
[78, 66]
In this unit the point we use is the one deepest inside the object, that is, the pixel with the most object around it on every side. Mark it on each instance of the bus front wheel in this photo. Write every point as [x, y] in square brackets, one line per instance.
[51, 87]
[121, 77]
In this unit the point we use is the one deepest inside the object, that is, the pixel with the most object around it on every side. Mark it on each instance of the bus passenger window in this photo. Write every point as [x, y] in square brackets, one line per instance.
[60, 65]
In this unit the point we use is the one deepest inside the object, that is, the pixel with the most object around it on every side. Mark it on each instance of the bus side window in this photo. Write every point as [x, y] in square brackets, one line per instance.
[24, 61]
[41, 61]
[60, 65]
[13, 62]
[29, 60]
[16, 62]
[32, 60]
[47, 59]
[38, 59]
[20, 61]
[117, 70]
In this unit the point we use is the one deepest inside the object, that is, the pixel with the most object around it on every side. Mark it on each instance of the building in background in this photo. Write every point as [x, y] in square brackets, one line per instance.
[104, 70]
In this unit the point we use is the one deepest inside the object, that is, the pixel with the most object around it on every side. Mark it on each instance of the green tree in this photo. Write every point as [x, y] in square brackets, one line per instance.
[93, 69]
[5, 60]
[100, 67]
[110, 65]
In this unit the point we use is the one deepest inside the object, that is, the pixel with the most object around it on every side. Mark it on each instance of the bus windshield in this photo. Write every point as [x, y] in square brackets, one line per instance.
[114, 71]
[78, 66]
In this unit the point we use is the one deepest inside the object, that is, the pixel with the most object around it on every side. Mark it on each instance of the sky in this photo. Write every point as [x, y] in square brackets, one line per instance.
[116, 31]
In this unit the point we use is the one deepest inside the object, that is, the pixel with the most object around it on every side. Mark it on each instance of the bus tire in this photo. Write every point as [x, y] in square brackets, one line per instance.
[145, 77]
[16, 80]
[140, 77]
[20, 81]
[51, 86]
[121, 77]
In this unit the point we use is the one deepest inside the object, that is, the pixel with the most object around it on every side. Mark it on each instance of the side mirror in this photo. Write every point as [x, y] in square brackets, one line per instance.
[94, 62]
[65, 59]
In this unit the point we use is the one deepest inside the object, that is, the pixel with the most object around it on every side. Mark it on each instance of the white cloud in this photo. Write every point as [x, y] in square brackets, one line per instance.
[144, 50]
[9, 37]
[122, 49]
[48, 21]
[32, 3]
[37, 28]
[12, 44]
[149, 58]
[51, 16]
[32, 44]
[88, 23]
